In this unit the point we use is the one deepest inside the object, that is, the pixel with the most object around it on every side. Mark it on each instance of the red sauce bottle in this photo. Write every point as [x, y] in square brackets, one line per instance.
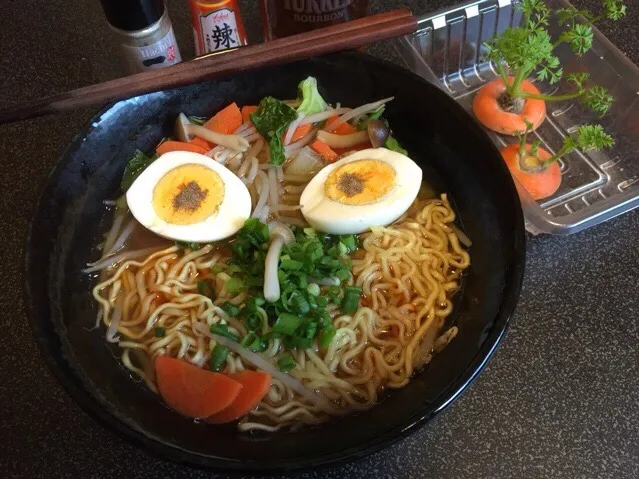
[281, 18]
[217, 25]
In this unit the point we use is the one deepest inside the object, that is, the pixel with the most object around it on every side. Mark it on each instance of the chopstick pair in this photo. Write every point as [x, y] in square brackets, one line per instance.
[344, 36]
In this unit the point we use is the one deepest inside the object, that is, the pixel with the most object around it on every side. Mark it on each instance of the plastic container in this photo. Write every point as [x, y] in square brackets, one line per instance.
[447, 49]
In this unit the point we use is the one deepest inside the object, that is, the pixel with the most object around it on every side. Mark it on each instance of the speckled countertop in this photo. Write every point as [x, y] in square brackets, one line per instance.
[560, 398]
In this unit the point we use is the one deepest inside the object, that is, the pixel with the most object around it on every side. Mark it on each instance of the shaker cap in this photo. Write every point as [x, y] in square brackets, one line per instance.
[132, 15]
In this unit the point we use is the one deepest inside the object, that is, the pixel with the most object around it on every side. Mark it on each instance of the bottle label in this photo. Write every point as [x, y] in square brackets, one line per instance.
[318, 11]
[160, 54]
[219, 30]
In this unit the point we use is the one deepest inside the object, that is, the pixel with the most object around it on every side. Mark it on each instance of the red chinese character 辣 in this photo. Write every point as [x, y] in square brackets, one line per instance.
[170, 53]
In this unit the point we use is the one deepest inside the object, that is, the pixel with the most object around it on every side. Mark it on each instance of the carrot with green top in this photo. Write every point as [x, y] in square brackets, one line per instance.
[537, 170]
[517, 53]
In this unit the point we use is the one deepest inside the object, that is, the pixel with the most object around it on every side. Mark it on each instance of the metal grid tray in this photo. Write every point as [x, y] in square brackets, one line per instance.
[447, 49]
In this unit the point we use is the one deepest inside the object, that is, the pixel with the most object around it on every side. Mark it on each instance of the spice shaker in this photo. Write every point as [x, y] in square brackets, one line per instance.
[217, 25]
[144, 33]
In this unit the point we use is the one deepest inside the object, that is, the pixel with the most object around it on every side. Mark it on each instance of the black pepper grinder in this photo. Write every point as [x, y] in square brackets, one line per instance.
[144, 33]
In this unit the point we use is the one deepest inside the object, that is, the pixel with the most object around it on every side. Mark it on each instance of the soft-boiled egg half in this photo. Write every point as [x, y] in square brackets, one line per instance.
[368, 188]
[189, 197]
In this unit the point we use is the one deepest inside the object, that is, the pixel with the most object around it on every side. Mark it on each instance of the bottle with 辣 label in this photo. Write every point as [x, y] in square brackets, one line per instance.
[217, 25]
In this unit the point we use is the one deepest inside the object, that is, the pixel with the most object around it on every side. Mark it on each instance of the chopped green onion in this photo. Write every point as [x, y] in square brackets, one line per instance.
[350, 242]
[343, 274]
[216, 269]
[205, 289]
[322, 301]
[326, 336]
[291, 264]
[159, 332]
[350, 303]
[287, 323]
[253, 342]
[234, 285]
[223, 330]
[313, 289]
[300, 304]
[188, 245]
[218, 357]
[234, 269]
[286, 363]
[253, 321]
[310, 232]
[230, 309]
[270, 335]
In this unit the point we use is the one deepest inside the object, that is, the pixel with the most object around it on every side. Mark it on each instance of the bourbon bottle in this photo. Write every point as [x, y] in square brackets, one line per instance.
[281, 18]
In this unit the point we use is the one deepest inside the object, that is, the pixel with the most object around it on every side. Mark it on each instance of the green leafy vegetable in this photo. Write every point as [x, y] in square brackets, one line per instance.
[312, 101]
[218, 357]
[393, 144]
[137, 164]
[271, 119]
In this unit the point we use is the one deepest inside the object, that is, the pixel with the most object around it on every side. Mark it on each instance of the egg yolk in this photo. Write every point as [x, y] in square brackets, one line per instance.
[360, 182]
[188, 194]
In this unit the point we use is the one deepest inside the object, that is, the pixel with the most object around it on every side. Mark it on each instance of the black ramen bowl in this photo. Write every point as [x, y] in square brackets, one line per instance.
[457, 157]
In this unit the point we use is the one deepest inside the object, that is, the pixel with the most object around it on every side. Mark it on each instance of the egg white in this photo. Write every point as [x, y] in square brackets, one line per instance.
[330, 216]
[234, 210]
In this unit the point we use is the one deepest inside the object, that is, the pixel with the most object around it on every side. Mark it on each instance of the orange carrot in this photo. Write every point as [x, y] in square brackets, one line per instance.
[255, 385]
[246, 112]
[324, 151]
[539, 184]
[172, 145]
[193, 391]
[491, 114]
[201, 142]
[343, 129]
[299, 132]
[226, 120]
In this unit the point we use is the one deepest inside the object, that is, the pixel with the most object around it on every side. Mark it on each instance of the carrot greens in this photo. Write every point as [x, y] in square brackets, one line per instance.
[529, 50]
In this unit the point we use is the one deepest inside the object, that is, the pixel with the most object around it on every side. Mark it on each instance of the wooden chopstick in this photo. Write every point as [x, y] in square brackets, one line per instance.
[338, 37]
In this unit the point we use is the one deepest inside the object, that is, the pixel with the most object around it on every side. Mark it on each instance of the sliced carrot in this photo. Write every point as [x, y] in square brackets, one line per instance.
[300, 132]
[255, 385]
[246, 112]
[172, 145]
[193, 391]
[226, 121]
[324, 151]
[343, 129]
[363, 146]
[540, 184]
[490, 113]
[201, 142]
